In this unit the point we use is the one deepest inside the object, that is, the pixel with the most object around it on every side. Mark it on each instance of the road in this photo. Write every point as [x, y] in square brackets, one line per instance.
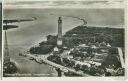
[62, 68]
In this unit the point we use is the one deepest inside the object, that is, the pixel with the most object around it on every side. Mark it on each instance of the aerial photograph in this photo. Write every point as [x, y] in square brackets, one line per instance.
[45, 41]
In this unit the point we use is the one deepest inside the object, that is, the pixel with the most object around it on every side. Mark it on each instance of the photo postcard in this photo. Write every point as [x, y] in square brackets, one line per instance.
[64, 39]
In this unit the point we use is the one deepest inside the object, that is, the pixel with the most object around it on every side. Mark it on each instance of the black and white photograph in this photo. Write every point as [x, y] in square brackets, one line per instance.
[63, 38]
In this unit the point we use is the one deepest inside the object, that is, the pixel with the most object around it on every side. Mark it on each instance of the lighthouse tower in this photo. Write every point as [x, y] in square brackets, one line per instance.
[59, 40]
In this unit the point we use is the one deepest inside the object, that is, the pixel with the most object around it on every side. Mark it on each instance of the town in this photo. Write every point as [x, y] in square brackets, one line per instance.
[82, 51]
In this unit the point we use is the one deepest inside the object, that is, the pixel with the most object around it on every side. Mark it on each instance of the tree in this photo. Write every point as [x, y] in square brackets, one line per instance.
[84, 68]
[77, 67]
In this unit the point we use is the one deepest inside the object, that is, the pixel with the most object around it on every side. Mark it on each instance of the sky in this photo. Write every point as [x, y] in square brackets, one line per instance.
[11, 4]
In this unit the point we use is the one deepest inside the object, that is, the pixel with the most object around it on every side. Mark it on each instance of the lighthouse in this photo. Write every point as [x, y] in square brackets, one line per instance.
[59, 39]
